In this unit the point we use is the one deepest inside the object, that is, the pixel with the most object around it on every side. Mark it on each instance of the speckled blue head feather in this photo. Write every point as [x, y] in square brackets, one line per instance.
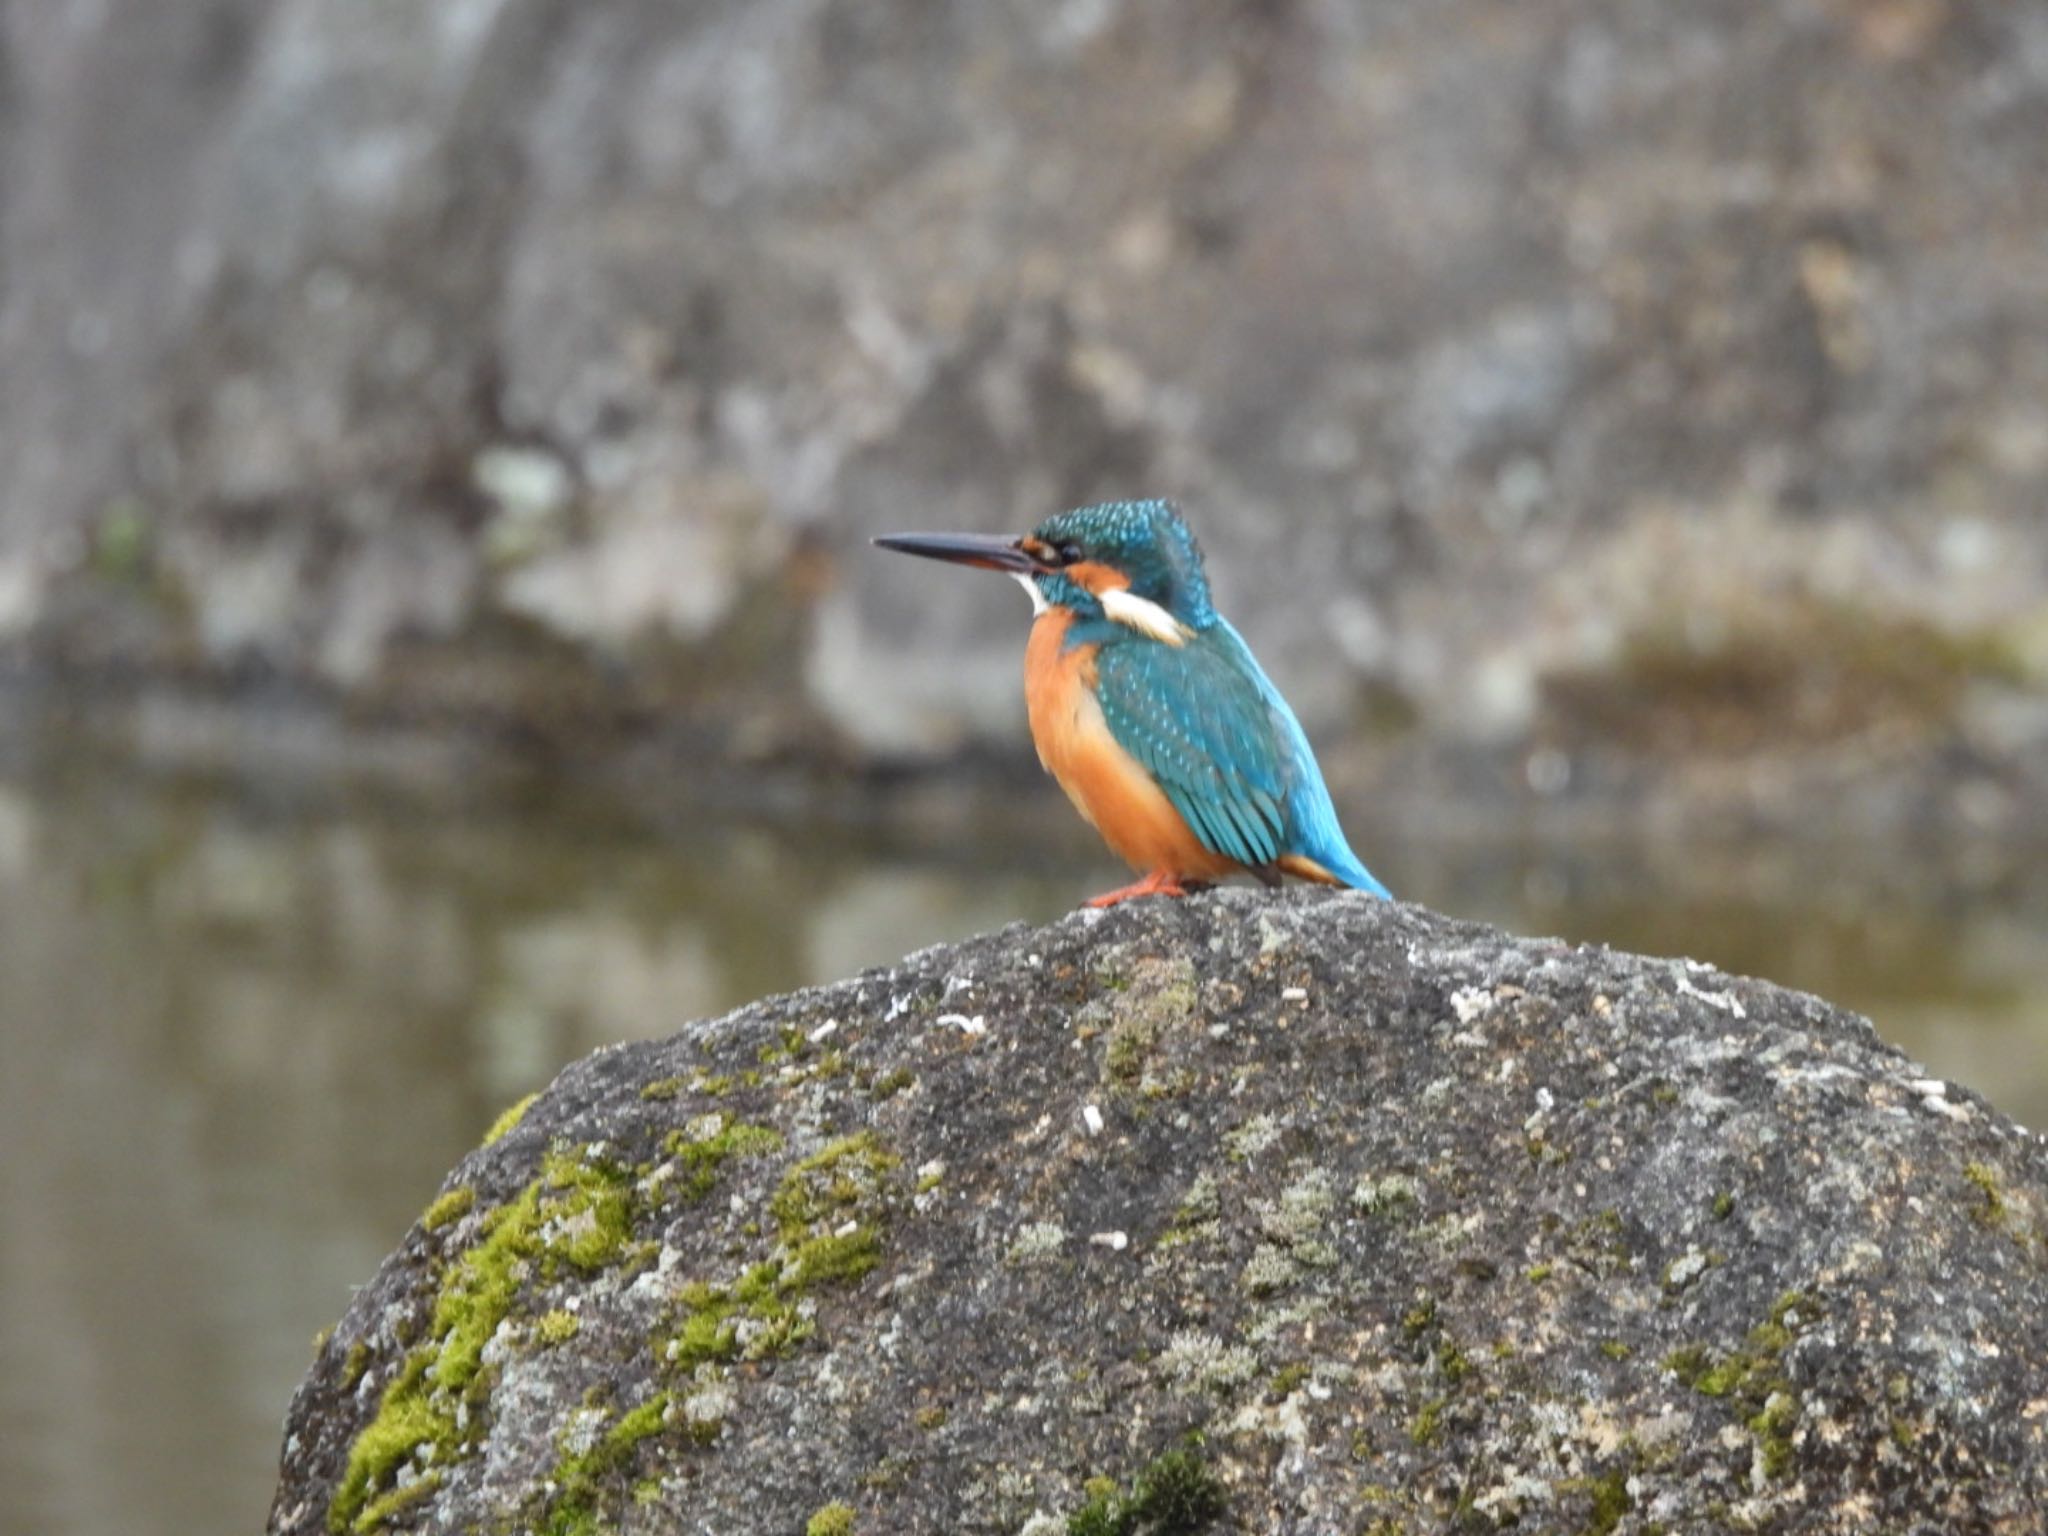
[1149, 542]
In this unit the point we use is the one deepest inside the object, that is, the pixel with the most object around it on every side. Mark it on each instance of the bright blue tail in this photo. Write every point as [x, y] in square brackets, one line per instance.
[1343, 863]
[1312, 829]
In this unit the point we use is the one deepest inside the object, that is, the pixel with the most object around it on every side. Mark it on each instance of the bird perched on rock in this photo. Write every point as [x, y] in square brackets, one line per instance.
[1149, 709]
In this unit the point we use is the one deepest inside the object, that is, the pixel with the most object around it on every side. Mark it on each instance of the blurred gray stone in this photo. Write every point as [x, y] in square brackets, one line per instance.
[1466, 333]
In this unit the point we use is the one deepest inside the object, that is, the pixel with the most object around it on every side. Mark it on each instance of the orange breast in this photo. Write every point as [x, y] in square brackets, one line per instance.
[1107, 785]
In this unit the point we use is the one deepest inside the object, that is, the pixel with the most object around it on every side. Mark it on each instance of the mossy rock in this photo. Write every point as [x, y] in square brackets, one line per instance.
[1774, 1279]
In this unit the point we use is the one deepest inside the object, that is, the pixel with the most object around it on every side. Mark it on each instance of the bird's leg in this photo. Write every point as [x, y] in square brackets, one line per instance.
[1159, 883]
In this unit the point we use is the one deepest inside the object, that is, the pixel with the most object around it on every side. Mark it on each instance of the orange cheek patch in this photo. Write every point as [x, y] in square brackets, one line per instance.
[1096, 577]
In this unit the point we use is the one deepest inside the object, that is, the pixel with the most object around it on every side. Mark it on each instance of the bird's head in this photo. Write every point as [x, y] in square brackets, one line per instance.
[1131, 561]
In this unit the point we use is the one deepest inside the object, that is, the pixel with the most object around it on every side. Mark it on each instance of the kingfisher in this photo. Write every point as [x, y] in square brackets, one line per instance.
[1148, 708]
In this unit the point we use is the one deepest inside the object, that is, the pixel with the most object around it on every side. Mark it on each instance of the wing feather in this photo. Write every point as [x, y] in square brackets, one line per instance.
[1202, 728]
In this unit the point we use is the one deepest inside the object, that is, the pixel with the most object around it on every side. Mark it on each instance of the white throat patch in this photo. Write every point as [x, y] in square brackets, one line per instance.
[1038, 602]
[1144, 615]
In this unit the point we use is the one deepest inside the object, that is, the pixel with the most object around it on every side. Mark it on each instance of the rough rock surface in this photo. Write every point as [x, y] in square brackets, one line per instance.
[545, 363]
[1296, 1214]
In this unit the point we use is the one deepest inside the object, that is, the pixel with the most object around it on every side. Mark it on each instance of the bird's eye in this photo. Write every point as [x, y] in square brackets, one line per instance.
[1068, 552]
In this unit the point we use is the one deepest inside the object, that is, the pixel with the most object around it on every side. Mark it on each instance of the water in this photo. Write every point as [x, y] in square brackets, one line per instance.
[245, 1039]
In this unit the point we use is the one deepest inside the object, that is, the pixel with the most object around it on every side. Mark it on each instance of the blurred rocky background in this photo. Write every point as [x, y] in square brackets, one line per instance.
[438, 635]
[1574, 399]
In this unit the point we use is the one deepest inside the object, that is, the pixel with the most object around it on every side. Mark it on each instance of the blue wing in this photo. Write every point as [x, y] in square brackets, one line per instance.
[1201, 729]
[1213, 731]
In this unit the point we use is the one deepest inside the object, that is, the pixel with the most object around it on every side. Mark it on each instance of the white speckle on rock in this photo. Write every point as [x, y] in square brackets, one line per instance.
[967, 1025]
[1727, 1002]
[1294, 994]
[1092, 1118]
[1685, 1269]
[1468, 1003]
[824, 1031]
[1117, 1242]
[712, 1402]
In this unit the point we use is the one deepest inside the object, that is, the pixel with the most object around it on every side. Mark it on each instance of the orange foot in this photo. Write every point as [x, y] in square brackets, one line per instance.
[1158, 883]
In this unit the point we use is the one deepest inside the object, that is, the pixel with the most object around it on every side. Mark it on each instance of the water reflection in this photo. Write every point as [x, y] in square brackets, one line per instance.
[244, 1041]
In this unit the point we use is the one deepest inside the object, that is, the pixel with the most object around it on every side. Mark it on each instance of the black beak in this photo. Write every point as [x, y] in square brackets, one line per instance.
[990, 552]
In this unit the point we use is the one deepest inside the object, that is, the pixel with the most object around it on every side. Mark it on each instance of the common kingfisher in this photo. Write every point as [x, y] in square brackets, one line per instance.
[1149, 710]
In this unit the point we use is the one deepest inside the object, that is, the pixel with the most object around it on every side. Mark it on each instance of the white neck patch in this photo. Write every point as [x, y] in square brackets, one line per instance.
[1144, 615]
[1038, 602]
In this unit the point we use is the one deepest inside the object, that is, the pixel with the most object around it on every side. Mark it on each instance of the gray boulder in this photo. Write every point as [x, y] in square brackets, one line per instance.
[1305, 1213]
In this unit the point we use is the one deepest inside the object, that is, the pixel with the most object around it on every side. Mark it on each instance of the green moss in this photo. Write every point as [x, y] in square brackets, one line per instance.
[123, 549]
[931, 1418]
[1772, 1425]
[837, 1258]
[558, 1327]
[575, 1212]
[831, 1182]
[662, 1089]
[1614, 1349]
[1453, 1364]
[1288, 1377]
[451, 1205]
[1752, 1379]
[405, 1421]
[397, 1501]
[1538, 1273]
[790, 1044]
[593, 1210]
[767, 1293]
[571, 1509]
[892, 1083]
[503, 1125]
[1610, 1502]
[832, 1520]
[1177, 1495]
[1688, 1364]
[353, 1366]
[1427, 1426]
[1420, 1318]
[703, 1156]
[1130, 1042]
[1724, 1206]
[1993, 1212]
